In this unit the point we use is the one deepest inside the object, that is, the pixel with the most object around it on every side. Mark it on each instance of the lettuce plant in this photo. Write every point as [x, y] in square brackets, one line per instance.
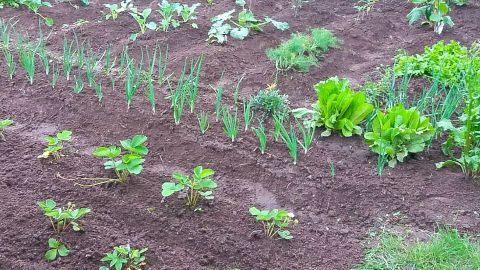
[124, 258]
[338, 108]
[62, 218]
[446, 61]
[56, 249]
[3, 125]
[275, 222]
[399, 132]
[198, 185]
[124, 160]
[55, 144]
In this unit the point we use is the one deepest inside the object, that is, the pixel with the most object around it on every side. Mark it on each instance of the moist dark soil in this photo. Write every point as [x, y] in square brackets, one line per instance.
[335, 212]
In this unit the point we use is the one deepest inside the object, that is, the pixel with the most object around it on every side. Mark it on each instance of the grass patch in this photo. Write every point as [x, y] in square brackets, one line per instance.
[446, 250]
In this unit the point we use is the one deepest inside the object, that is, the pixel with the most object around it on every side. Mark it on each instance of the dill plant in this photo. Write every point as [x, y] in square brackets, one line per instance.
[302, 51]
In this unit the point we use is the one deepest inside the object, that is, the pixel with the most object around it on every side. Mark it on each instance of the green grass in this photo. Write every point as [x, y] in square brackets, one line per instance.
[446, 250]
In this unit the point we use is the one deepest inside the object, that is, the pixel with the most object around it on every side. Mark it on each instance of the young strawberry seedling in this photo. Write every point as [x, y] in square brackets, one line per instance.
[124, 258]
[3, 125]
[62, 218]
[55, 144]
[198, 185]
[275, 221]
[124, 160]
[56, 249]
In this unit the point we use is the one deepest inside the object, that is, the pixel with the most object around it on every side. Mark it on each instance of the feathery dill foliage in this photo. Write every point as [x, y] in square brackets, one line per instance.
[302, 51]
[270, 103]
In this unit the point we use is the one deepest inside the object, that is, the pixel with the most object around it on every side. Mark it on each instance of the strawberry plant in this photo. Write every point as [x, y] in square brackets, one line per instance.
[125, 160]
[125, 258]
[198, 185]
[338, 108]
[398, 132]
[62, 218]
[275, 222]
[55, 144]
[224, 25]
[56, 249]
[3, 125]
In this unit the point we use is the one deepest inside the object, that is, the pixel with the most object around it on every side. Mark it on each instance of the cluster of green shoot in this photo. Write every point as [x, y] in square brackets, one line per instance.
[55, 145]
[124, 160]
[184, 13]
[275, 222]
[124, 257]
[198, 185]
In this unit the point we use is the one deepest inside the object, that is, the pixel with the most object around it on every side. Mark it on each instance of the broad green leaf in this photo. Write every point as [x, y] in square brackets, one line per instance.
[168, 188]
[239, 33]
[64, 135]
[285, 235]
[63, 251]
[51, 255]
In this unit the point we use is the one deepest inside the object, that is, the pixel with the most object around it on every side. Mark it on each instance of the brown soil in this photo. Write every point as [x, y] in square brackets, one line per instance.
[335, 213]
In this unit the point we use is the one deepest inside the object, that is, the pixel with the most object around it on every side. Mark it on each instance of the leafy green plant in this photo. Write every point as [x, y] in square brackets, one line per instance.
[338, 108]
[275, 222]
[4, 123]
[434, 12]
[55, 144]
[115, 9]
[223, 25]
[125, 160]
[290, 140]
[184, 13]
[399, 132]
[124, 258]
[262, 138]
[230, 123]
[465, 137]
[270, 103]
[56, 249]
[142, 19]
[198, 185]
[62, 218]
[302, 51]
[203, 122]
[447, 62]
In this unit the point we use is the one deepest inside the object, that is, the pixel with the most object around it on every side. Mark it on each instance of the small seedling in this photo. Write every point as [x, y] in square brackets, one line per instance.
[230, 123]
[67, 58]
[115, 10]
[247, 114]
[290, 139]
[10, 62]
[198, 185]
[27, 53]
[62, 218]
[142, 19]
[332, 169]
[78, 87]
[56, 248]
[55, 144]
[262, 138]
[3, 125]
[275, 221]
[124, 257]
[203, 122]
[308, 134]
[218, 100]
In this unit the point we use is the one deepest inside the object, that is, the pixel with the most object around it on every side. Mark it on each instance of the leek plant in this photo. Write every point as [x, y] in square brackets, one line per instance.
[149, 77]
[308, 134]
[247, 113]
[203, 122]
[67, 57]
[134, 79]
[78, 86]
[27, 53]
[10, 62]
[55, 74]
[290, 140]
[262, 138]
[218, 99]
